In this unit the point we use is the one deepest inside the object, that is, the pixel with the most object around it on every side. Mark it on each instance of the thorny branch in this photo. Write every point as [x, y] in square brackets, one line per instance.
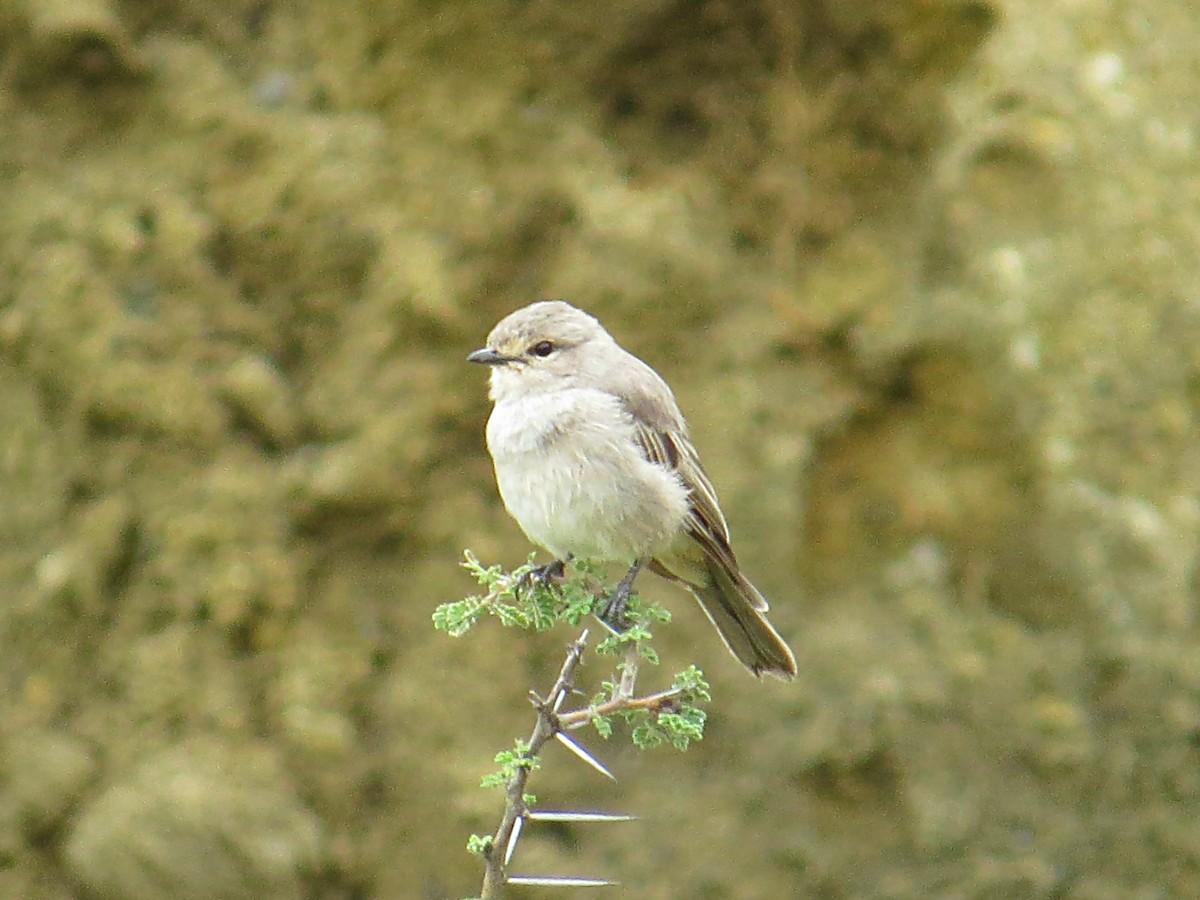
[546, 727]
[671, 715]
[552, 724]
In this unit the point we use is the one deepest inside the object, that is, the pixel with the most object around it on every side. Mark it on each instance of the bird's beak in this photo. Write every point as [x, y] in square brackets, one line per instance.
[488, 357]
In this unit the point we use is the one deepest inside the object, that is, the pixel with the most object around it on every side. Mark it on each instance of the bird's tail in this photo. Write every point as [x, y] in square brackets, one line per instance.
[736, 608]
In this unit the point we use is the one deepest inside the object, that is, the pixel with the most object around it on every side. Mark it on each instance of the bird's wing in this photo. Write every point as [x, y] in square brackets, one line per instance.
[705, 522]
[661, 434]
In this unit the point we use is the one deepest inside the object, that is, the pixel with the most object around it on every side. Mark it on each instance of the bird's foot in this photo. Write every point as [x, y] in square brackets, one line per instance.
[542, 576]
[613, 613]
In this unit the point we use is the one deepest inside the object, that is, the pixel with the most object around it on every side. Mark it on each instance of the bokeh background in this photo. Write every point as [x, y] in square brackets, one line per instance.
[923, 273]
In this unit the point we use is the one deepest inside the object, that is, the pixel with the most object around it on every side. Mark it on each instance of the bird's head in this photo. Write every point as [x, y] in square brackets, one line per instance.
[541, 348]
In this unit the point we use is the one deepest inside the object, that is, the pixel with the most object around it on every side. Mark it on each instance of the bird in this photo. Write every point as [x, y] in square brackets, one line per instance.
[593, 460]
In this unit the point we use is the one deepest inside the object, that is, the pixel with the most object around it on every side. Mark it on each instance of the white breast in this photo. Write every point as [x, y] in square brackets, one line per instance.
[572, 476]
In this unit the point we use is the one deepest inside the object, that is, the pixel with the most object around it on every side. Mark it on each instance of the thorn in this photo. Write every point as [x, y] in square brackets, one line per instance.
[558, 881]
[512, 839]
[567, 816]
[609, 627]
[576, 748]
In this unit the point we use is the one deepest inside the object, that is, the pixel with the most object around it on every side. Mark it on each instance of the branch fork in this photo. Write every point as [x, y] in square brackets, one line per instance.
[553, 724]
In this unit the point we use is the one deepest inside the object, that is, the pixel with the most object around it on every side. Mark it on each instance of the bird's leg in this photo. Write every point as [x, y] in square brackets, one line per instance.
[551, 571]
[543, 575]
[613, 613]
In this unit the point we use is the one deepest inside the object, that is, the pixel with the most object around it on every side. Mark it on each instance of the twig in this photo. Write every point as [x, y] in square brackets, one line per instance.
[552, 724]
[546, 727]
[577, 718]
[623, 698]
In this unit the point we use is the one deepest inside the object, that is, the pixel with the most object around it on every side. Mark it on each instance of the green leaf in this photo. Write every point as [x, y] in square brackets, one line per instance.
[479, 845]
[683, 727]
[458, 616]
[603, 726]
[645, 736]
[692, 684]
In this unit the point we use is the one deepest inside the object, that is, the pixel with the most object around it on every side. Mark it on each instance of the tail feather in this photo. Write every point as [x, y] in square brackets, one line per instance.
[736, 608]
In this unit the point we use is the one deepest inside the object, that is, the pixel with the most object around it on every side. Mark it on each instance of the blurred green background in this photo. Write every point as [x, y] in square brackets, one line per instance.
[923, 273]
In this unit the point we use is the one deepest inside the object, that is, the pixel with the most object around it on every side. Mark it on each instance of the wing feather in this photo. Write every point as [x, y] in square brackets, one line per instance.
[706, 523]
[661, 433]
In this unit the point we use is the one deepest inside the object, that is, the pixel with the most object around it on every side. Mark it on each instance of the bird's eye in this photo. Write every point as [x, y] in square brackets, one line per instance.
[542, 348]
